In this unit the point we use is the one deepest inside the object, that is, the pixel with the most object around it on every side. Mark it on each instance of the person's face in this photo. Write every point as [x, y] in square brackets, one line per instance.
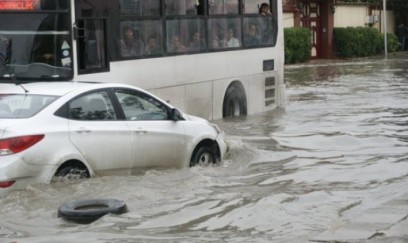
[230, 33]
[252, 29]
[196, 37]
[176, 41]
[152, 42]
[129, 34]
[266, 10]
[214, 42]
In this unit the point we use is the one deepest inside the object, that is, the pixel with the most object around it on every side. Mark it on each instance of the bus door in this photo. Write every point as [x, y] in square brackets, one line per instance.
[90, 35]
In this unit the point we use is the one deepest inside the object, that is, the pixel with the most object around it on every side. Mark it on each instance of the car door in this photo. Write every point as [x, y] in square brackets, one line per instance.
[157, 141]
[96, 132]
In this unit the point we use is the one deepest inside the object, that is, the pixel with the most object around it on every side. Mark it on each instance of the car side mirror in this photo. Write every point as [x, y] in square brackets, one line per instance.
[176, 115]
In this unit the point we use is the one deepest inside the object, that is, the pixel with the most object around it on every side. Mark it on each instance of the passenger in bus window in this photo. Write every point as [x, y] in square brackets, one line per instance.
[152, 46]
[130, 44]
[252, 37]
[196, 43]
[264, 9]
[230, 40]
[215, 42]
[176, 45]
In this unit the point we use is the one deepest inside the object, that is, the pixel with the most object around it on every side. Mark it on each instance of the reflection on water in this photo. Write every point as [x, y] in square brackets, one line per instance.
[338, 147]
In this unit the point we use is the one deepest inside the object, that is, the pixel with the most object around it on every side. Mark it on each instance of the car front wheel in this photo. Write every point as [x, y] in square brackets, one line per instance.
[204, 157]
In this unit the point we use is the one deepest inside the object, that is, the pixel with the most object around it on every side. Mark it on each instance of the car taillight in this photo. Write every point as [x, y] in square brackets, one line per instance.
[18, 144]
[5, 184]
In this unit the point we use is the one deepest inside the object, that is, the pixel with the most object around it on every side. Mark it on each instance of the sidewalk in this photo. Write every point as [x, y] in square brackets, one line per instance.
[386, 224]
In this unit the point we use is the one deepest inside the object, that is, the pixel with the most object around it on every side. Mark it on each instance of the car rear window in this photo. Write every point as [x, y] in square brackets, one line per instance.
[23, 105]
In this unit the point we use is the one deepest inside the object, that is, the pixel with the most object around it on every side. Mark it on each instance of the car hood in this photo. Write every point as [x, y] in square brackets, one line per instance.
[194, 118]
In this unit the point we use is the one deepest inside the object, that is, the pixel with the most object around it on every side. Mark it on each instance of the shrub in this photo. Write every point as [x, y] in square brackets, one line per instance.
[297, 44]
[361, 42]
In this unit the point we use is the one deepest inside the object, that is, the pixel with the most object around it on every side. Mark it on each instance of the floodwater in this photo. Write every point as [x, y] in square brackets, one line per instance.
[339, 146]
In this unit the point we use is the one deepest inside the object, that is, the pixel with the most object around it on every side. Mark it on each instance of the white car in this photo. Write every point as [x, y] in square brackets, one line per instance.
[54, 130]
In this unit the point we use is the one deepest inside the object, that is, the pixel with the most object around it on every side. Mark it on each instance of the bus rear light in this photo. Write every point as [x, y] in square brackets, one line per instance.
[18, 144]
[5, 184]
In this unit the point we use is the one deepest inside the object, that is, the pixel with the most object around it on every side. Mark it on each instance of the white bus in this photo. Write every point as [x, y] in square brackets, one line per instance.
[210, 58]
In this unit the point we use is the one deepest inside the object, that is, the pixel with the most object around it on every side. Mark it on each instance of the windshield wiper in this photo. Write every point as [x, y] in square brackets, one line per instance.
[4, 66]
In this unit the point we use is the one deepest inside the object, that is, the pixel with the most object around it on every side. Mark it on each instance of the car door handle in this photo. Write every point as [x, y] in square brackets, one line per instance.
[140, 131]
[83, 130]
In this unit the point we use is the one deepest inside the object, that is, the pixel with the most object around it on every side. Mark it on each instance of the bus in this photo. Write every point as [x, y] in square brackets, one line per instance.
[210, 58]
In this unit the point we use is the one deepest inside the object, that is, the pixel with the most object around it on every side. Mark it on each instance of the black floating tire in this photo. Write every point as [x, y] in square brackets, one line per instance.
[88, 210]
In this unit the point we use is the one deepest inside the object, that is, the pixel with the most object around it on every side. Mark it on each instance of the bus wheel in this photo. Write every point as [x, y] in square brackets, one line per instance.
[235, 103]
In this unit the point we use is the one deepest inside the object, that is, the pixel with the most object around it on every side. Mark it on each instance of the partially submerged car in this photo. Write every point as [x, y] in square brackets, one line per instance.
[52, 130]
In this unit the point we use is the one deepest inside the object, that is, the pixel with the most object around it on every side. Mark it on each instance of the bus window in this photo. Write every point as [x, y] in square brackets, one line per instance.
[231, 7]
[252, 6]
[252, 32]
[38, 44]
[185, 35]
[181, 7]
[130, 43]
[47, 46]
[139, 7]
[140, 38]
[91, 42]
[224, 33]
[266, 29]
[152, 34]
[223, 7]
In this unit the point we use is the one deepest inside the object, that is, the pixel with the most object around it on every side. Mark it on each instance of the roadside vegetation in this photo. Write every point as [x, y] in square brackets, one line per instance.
[362, 42]
[348, 42]
[297, 44]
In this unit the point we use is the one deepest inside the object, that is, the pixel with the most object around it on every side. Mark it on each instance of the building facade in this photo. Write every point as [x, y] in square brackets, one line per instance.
[321, 16]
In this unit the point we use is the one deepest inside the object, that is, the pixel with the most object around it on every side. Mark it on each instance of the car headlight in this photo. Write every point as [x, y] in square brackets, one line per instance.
[215, 126]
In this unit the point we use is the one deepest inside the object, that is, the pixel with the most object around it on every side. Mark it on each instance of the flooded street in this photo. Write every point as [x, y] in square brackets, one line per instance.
[338, 148]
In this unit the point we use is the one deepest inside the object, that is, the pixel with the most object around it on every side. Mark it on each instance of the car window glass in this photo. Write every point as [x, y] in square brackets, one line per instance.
[140, 106]
[91, 107]
[23, 106]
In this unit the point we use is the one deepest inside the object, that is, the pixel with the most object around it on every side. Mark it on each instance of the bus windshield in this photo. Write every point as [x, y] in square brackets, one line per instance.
[35, 41]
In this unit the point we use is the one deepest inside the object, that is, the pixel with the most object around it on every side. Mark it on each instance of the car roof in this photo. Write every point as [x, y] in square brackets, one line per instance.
[53, 88]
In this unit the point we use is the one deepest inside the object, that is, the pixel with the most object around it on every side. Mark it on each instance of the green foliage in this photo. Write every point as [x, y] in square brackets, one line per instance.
[361, 42]
[393, 44]
[297, 44]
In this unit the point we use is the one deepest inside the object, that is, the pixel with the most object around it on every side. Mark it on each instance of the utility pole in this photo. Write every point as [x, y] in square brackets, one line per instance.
[385, 27]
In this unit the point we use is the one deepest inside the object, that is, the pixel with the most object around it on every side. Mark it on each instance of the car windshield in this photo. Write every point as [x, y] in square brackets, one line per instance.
[23, 105]
[35, 43]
